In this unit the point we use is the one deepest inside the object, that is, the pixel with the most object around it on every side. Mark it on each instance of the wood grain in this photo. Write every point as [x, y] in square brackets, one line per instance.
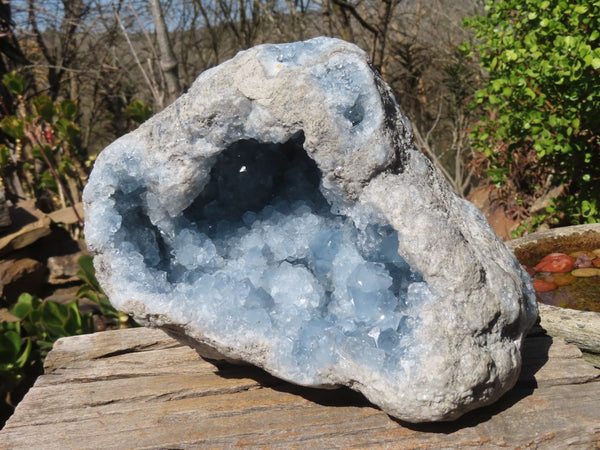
[139, 388]
[581, 328]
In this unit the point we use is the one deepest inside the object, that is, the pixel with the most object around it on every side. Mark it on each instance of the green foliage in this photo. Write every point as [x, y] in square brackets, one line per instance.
[14, 82]
[38, 323]
[25, 343]
[13, 126]
[138, 111]
[41, 146]
[91, 289]
[4, 155]
[45, 108]
[15, 353]
[530, 225]
[543, 97]
[46, 321]
[68, 109]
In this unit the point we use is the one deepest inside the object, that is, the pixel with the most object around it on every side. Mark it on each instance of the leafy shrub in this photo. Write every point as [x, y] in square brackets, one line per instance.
[15, 354]
[25, 342]
[92, 290]
[543, 101]
[40, 156]
[45, 321]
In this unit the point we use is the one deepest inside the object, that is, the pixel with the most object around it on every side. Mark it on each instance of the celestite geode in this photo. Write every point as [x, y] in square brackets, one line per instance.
[278, 213]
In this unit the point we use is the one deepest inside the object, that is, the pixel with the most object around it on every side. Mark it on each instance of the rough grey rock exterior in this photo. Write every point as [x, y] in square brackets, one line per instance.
[467, 344]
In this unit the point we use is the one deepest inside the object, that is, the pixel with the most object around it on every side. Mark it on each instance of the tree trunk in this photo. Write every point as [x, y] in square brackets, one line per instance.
[168, 61]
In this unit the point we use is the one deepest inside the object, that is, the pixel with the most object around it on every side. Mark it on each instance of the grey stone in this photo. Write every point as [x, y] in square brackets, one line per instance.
[25, 236]
[279, 214]
[63, 268]
[18, 276]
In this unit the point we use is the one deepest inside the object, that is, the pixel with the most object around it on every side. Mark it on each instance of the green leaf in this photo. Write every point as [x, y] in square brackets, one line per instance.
[89, 294]
[464, 48]
[39, 152]
[48, 181]
[88, 272]
[14, 82]
[54, 319]
[44, 107]
[498, 84]
[569, 41]
[73, 321]
[13, 126]
[67, 130]
[25, 355]
[5, 158]
[138, 111]
[68, 109]
[510, 55]
[24, 306]
[529, 92]
[507, 91]
[10, 344]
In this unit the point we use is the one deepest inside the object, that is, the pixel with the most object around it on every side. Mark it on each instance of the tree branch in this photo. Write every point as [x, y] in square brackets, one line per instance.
[153, 89]
[352, 9]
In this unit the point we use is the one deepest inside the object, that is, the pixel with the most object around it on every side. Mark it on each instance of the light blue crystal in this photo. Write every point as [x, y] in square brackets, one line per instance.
[277, 263]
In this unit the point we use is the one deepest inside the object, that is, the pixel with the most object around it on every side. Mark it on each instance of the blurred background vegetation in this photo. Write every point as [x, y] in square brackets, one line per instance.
[503, 96]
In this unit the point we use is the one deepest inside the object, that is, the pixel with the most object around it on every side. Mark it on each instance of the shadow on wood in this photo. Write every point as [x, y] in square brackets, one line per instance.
[535, 356]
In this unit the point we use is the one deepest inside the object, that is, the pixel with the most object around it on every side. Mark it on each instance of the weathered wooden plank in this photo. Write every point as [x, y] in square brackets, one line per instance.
[581, 328]
[139, 388]
[550, 361]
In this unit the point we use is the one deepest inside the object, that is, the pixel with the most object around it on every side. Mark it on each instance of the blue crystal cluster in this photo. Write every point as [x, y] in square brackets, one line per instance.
[261, 253]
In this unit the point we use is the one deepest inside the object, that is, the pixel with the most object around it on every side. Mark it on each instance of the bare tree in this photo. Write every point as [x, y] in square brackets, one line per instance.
[11, 54]
[436, 82]
[58, 46]
[244, 18]
[212, 29]
[98, 55]
[168, 61]
[373, 17]
[453, 160]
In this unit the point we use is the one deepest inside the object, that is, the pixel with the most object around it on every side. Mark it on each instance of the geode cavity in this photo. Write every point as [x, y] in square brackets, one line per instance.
[279, 213]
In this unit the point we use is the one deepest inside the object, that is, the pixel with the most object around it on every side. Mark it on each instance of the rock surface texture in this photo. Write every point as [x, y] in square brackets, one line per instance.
[279, 214]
